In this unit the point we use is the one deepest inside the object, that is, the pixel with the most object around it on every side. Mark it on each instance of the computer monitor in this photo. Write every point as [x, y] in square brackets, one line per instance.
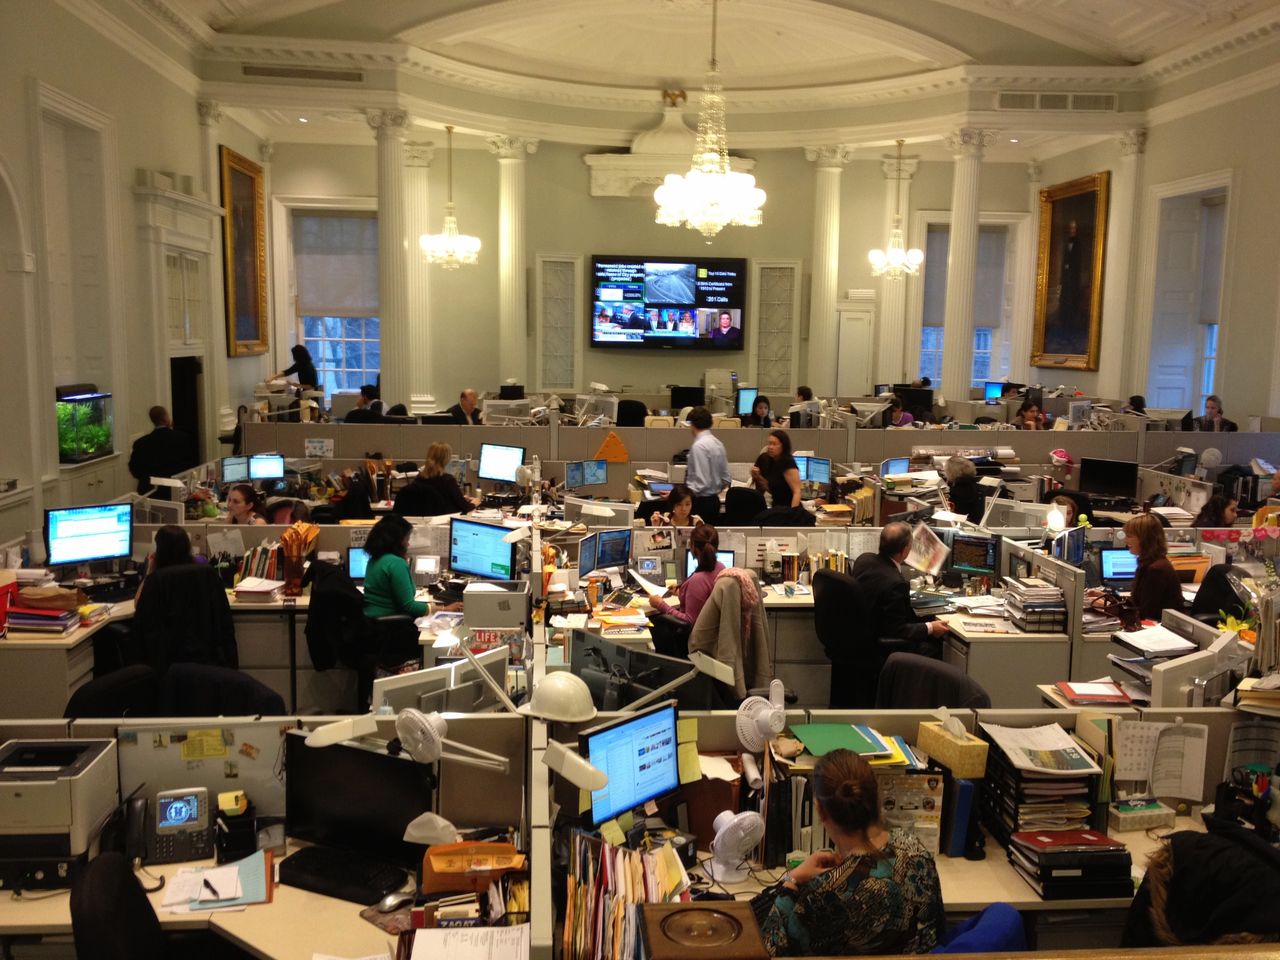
[682, 397]
[617, 674]
[585, 473]
[468, 693]
[1108, 478]
[425, 690]
[329, 798]
[499, 463]
[357, 563]
[915, 400]
[613, 549]
[638, 754]
[895, 466]
[587, 549]
[880, 389]
[85, 534]
[235, 469]
[1118, 565]
[511, 391]
[746, 403]
[992, 391]
[727, 557]
[436, 419]
[1069, 546]
[814, 470]
[478, 549]
[975, 553]
[266, 466]
[1078, 413]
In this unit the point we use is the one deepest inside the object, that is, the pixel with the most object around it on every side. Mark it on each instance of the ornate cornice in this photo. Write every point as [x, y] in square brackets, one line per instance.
[635, 175]
[832, 155]
[1133, 142]
[511, 148]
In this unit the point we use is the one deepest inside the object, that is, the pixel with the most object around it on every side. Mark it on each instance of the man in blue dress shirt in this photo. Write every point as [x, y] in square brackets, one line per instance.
[707, 473]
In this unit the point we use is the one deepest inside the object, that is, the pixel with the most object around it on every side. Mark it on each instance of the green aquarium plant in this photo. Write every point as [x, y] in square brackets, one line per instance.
[84, 427]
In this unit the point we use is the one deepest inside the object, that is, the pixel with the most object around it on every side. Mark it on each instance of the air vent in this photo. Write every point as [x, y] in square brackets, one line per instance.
[1093, 101]
[1016, 101]
[303, 73]
[1055, 101]
[1027, 100]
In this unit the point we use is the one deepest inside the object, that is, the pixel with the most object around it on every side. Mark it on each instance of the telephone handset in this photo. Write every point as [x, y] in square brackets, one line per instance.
[182, 828]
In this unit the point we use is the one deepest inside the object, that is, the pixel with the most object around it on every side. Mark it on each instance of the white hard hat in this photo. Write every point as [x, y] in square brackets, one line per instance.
[560, 696]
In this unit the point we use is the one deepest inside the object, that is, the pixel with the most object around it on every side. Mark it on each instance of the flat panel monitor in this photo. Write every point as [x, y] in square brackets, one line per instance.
[638, 754]
[478, 549]
[672, 303]
[1079, 412]
[682, 397]
[84, 534]
[1069, 546]
[617, 674]
[468, 693]
[1118, 565]
[613, 548]
[1108, 478]
[881, 389]
[915, 400]
[437, 419]
[586, 473]
[746, 401]
[499, 463]
[895, 466]
[425, 690]
[975, 553]
[266, 466]
[357, 563]
[511, 391]
[992, 391]
[727, 557]
[814, 469]
[587, 549]
[235, 469]
[328, 799]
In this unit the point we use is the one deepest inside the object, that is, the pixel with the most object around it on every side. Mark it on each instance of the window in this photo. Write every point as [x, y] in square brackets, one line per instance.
[1209, 361]
[931, 355]
[982, 339]
[336, 271]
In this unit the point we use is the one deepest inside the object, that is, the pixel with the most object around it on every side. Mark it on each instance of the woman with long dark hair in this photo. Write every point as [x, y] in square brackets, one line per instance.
[245, 506]
[693, 593]
[388, 585]
[776, 472]
[303, 366]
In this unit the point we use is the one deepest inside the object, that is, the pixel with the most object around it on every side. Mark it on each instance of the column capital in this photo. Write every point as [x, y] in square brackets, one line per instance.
[1133, 143]
[829, 155]
[266, 150]
[389, 123]
[970, 141]
[210, 112]
[511, 148]
[419, 154]
[893, 170]
[1033, 171]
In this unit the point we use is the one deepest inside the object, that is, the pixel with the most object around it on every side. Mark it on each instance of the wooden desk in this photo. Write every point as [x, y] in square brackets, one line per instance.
[1009, 663]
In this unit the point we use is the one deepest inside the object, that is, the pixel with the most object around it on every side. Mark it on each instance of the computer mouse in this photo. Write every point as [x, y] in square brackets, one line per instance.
[394, 901]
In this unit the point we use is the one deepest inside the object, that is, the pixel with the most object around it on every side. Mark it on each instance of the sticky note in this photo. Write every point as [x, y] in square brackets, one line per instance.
[204, 744]
[690, 765]
[687, 730]
[584, 801]
[651, 809]
[626, 821]
[612, 833]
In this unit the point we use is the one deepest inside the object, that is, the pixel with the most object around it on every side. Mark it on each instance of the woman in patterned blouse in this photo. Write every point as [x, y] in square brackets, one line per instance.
[877, 893]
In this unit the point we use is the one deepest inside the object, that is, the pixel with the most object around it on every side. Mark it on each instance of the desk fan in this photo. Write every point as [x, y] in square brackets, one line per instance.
[737, 834]
[759, 720]
[423, 736]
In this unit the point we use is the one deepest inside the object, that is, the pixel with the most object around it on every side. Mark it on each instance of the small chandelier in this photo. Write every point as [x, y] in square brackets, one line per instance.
[897, 261]
[449, 248]
[711, 195]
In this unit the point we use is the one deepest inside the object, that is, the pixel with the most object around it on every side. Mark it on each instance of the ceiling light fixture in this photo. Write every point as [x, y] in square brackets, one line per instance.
[897, 261]
[449, 248]
[711, 196]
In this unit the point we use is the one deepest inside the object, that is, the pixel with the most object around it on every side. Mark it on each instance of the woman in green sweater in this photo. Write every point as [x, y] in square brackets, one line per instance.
[388, 585]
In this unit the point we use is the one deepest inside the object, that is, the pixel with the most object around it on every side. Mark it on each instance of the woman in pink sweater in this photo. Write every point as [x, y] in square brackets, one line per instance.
[693, 593]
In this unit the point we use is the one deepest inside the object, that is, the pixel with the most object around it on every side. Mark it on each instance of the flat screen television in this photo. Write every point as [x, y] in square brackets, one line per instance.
[668, 303]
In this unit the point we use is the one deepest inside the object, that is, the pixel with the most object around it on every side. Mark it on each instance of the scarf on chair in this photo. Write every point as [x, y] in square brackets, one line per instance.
[750, 595]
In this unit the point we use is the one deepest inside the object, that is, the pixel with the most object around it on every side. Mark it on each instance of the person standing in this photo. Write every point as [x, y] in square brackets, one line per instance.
[707, 472]
[303, 366]
[161, 453]
[775, 471]
[464, 411]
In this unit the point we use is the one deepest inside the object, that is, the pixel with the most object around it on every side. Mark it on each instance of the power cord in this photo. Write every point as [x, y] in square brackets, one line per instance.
[21, 895]
[139, 868]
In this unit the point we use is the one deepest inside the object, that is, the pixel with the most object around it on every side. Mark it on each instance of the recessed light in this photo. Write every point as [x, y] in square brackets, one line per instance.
[304, 120]
[1013, 139]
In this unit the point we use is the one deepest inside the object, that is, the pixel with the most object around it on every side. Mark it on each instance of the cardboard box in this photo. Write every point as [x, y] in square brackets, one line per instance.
[965, 758]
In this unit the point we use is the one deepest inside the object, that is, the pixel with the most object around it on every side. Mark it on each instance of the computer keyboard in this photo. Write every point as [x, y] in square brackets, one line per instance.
[341, 874]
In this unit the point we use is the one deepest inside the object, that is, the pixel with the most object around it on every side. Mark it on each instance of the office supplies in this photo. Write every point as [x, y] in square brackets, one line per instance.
[1155, 641]
[963, 754]
[820, 739]
[230, 886]
[471, 943]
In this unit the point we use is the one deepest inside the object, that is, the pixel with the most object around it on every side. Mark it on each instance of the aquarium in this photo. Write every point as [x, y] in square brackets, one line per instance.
[84, 427]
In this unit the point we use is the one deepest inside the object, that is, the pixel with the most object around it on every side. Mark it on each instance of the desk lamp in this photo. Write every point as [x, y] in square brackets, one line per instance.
[423, 736]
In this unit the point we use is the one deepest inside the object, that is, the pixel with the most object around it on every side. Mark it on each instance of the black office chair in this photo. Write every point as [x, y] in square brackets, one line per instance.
[645, 509]
[912, 682]
[132, 691]
[182, 616]
[1217, 593]
[200, 690]
[670, 635]
[631, 413]
[741, 506]
[111, 917]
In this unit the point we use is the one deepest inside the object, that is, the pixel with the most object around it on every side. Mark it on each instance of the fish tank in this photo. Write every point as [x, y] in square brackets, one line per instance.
[84, 426]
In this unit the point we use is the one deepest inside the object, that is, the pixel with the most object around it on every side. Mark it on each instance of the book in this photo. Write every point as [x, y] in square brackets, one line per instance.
[1099, 692]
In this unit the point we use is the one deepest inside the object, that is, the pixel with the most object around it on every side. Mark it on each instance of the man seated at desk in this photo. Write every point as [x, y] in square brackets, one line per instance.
[888, 595]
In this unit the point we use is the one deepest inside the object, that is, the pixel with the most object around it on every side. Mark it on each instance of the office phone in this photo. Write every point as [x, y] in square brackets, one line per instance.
[181, 830]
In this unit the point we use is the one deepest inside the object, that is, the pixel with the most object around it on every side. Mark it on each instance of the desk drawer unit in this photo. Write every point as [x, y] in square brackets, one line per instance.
[798, 658]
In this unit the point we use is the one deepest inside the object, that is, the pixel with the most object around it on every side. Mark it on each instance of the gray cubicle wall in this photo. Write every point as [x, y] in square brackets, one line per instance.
[1032, 446]
[1235, 447]
[395, 440]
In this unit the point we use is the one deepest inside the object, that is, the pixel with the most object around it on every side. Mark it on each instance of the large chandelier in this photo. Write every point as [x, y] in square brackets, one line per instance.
[711, 195]
[897, 261]
[449, 248]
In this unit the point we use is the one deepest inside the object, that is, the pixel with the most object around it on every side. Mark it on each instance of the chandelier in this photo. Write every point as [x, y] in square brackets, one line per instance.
[897, 261]
[449, 248]
[711, 195]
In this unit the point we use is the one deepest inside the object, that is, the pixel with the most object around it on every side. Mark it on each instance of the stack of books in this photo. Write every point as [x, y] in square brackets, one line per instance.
[258, 590]
[264, 560]
[56, 623]
[1034, 605]
[1098, 693]
[1072, 864]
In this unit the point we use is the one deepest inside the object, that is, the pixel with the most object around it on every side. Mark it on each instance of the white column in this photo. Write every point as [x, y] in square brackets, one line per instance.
[966, 145]
[1023, 318]
[391, 128]
[824, 330]
[418, 157]
[891, 366]
[1114, 348]
[220, 415]
[513, 330]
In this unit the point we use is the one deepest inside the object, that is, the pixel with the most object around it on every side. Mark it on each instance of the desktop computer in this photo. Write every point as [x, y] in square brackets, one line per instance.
[639, 755]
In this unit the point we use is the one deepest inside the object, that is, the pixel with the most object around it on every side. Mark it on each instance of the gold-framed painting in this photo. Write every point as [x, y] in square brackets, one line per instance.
[244, 254]
[1073, 234]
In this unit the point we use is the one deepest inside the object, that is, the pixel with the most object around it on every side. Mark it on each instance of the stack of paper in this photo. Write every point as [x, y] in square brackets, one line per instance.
[1155, 641]
[258, 590]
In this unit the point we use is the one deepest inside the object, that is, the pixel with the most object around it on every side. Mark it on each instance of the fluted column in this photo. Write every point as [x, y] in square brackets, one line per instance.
[1115, 349]
[824, 332]
[513, 335]
[966, 145]
[417, 219]
[890, 366]
[391, 128]
[220, 416]
[1024, 299]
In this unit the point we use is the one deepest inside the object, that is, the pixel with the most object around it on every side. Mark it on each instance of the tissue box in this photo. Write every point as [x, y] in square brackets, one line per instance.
[965, 758]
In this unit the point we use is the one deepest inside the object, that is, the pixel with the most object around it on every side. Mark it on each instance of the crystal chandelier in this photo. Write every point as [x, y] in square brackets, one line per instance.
[711, 195]
[449, 248]
[897, 261]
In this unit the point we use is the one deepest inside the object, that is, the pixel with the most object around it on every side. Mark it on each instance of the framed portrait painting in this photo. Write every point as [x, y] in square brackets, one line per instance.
[244, 254]
[1073, 233]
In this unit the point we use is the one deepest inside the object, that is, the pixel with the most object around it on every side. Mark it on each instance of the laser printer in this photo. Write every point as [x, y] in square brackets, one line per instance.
[498, 604]
[55, 798]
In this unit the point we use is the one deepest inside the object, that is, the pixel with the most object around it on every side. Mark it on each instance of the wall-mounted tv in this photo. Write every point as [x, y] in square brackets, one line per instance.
[668, 303]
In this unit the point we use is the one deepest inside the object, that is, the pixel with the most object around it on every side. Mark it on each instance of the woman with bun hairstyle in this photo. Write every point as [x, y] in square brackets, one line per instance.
[877, 892]
[693, 593]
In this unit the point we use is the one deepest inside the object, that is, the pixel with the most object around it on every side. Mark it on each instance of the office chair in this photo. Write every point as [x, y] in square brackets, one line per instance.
[718, 633]
[132, 691]
[632, 413]
[111, 917]
[912, 682]
[659, 421]
[741, 506]
[182, 616]
[1217, 593]
[843, 621]
[200, 690]
[670, 635]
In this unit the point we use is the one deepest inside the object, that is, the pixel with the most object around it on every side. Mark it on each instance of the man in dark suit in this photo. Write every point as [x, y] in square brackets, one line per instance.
[464, 411]
[880, 576]
[161, 453]
[368, 408]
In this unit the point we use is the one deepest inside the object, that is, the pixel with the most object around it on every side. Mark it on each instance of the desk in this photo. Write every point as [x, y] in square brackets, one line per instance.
[1009, 663]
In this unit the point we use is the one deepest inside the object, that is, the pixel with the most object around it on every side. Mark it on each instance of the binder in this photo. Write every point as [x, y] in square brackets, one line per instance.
[958, 811]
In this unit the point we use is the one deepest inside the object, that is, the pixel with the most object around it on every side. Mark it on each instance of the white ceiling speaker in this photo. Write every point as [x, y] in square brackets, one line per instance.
[737, 834]
[759, 720]
[425, 737]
